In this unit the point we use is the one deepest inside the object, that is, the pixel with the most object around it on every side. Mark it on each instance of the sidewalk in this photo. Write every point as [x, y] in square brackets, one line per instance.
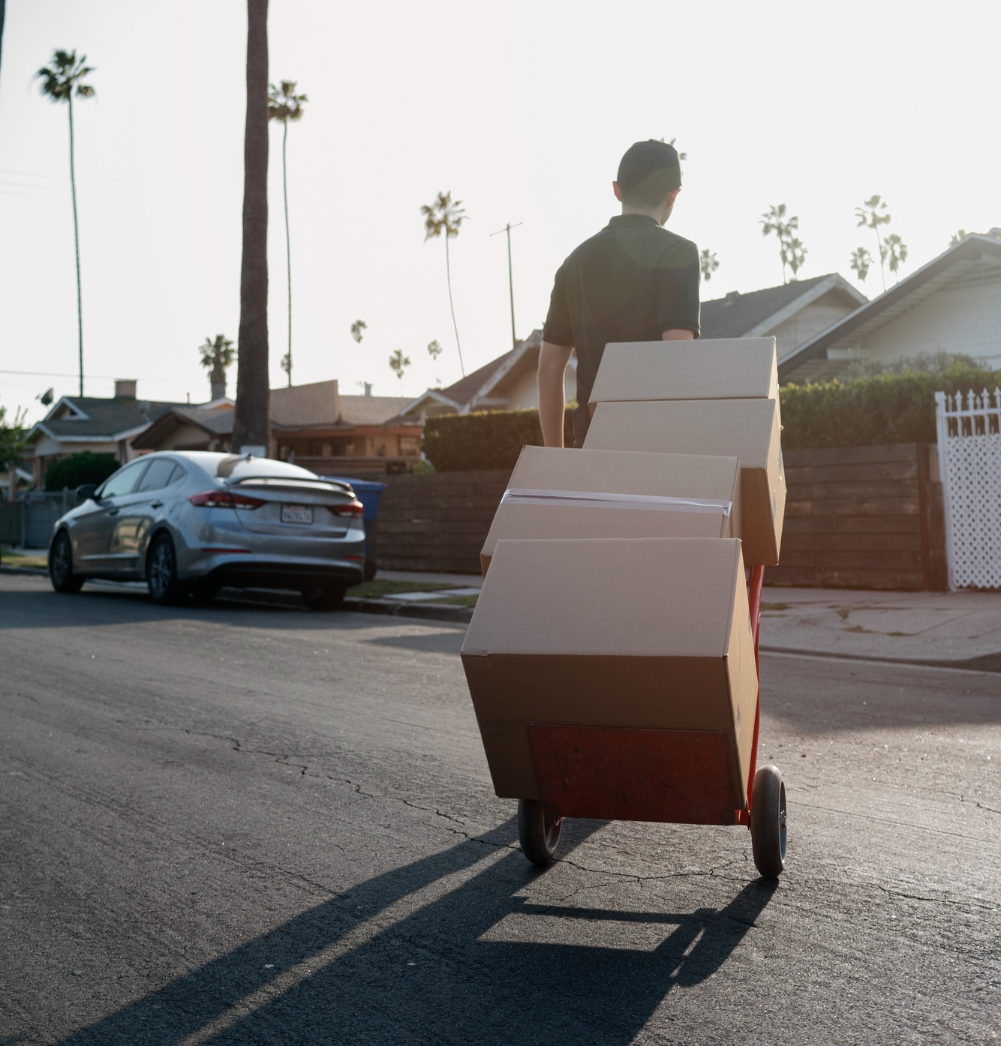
[897, 626]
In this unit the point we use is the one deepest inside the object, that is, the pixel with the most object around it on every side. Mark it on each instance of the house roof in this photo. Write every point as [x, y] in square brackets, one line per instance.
[89, 418]
[372, 410]
[974, 252]
[738, 315]
[213, 420]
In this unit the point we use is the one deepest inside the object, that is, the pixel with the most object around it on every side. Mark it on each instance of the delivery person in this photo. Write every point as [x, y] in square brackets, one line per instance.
[633, 281]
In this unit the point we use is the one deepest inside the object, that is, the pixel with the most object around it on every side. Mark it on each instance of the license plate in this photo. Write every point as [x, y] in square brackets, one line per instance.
[297, 514]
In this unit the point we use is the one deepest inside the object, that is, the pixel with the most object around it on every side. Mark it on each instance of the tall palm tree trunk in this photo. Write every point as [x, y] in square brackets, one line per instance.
[288, 250]
[76, 240]
[448, 276]
[250, 423]
[882, 271]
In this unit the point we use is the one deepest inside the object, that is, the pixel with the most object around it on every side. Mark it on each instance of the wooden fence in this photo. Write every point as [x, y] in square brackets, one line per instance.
[858, 517]
[438, 522]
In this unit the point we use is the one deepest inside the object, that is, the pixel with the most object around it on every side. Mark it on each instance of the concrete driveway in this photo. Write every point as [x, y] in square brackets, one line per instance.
[246, 824]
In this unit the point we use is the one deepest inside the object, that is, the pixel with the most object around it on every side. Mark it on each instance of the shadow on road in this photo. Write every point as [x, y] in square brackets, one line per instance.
[431, 977]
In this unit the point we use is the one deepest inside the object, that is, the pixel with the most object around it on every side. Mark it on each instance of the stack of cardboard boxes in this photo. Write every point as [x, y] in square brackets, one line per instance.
[611, 647]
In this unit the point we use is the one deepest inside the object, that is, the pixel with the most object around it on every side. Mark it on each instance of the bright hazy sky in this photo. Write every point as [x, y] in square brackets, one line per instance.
[521, 109]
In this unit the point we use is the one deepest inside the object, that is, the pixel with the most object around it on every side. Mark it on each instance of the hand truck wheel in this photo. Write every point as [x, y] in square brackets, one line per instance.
[768, 822]
[538, 831]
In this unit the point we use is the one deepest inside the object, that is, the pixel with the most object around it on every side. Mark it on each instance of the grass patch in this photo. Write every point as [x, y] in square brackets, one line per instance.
[775, 606]
[455, 601]
[14, 559]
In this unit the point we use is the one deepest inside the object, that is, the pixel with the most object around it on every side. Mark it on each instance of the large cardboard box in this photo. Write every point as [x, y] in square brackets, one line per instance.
[555, 493]
[632, 647]
[711, 369]
[748, 428]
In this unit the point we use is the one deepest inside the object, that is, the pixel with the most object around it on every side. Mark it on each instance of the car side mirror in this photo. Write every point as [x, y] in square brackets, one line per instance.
[85, 491]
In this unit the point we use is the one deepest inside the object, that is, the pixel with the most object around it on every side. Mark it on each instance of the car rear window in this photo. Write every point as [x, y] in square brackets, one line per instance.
[159, 474]
[259, 468]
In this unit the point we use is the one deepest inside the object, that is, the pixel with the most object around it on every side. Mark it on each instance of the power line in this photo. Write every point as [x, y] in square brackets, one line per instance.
[86, 377]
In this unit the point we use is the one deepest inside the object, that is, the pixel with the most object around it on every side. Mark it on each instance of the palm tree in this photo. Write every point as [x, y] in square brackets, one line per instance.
[708, 263]
[58, 83]
[959, 234]
[284, 105]
[250, 422]
[775, 221]
[398, 362]
[445, 216]
[217, 357]
[894, 251]
[434, 349]
[795, 254]
[872, 214]
[357, 329]
[861, 262]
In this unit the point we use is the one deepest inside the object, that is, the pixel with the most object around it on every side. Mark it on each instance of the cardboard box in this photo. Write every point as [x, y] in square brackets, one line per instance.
[638, 645]
[632, 495]
[748, 428]
[724, 368]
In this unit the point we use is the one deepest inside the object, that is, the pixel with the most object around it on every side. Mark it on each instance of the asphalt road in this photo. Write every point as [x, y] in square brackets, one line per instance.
[239, 824]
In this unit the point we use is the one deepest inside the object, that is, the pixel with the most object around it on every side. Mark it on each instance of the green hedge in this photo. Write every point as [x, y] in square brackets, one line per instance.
[869, 411]
[486, 440]
[85, 467]
[864, 412]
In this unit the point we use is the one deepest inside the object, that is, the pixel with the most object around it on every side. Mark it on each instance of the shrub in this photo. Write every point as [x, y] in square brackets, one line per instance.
[485, 440]
[887, 408]
[85, 467]
[895, 407]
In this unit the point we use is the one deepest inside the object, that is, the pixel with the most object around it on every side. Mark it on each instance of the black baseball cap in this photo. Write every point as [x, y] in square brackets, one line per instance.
[644, 158]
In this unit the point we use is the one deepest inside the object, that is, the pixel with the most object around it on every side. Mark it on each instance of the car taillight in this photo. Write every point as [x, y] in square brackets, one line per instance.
[224, 499]
[352, 508]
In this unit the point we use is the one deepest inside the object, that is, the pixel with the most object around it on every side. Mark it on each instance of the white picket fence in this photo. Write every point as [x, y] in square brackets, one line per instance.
[969, 450]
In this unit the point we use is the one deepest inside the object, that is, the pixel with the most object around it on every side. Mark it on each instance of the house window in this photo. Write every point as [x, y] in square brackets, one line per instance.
[410, 445]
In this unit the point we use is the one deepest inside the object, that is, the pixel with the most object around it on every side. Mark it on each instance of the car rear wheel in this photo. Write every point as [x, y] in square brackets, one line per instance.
[61, 565]
[161, 571]
[327, 596]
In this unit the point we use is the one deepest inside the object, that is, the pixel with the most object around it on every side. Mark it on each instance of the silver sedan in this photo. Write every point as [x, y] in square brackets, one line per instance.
[190, 522]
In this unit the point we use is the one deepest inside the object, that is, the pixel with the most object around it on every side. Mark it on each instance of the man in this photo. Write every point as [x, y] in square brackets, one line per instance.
[633, 281]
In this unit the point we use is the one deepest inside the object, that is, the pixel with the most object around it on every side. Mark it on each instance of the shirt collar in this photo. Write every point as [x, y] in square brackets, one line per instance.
[633, 219]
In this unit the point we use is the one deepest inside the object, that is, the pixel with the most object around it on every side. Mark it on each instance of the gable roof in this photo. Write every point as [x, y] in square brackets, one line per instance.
[95, 419]
[372, 410]
[212, 420]
[758, 312]
[971, 253]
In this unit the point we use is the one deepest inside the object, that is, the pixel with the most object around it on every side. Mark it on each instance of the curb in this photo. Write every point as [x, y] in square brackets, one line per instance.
[32, 571]
[981, 663]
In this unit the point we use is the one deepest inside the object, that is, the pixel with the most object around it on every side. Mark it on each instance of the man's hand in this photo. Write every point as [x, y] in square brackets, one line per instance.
[553, 360]
[677, 335]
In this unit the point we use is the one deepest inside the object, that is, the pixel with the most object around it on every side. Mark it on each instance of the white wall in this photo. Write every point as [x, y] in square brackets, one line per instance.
[963, 318]
[810, 321]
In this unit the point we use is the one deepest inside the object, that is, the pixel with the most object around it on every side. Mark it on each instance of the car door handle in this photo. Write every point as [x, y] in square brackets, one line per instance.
[156, 504]
[112, 512]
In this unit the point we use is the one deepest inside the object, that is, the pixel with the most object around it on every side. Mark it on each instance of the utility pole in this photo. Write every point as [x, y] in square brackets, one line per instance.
[510, 274]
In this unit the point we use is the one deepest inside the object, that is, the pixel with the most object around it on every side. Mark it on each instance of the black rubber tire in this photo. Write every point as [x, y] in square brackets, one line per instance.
[61, 565]
[161, 571]
[325, 596]
[768, 822]
[538, 832]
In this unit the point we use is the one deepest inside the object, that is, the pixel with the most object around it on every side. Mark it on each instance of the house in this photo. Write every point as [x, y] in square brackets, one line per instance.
[793, 313]
[952, 304]
[313, 425]
[505, 383]
[103, 425]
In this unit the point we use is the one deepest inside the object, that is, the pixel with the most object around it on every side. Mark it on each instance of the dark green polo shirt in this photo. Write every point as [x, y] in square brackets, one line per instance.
[631, 282]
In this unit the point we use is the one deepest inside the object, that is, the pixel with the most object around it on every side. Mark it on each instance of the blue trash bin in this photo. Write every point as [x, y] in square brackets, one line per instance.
[368, 493]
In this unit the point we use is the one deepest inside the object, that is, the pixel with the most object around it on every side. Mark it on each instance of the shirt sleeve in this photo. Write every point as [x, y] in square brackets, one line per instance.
[678, 276]
[558, 329]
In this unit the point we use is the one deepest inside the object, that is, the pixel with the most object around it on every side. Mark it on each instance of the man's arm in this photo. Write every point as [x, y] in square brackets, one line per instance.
[553, 360]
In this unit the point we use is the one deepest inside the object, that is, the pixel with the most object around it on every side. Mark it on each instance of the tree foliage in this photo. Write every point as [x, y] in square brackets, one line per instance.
[85, 467]
[791, 250]
[398, 363]
[12, 443]
[871, 215]
[446, 216]
[358, 329]
[709, 263]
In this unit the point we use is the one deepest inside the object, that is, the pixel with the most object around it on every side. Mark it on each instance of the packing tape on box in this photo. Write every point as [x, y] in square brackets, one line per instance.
[598, 499]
